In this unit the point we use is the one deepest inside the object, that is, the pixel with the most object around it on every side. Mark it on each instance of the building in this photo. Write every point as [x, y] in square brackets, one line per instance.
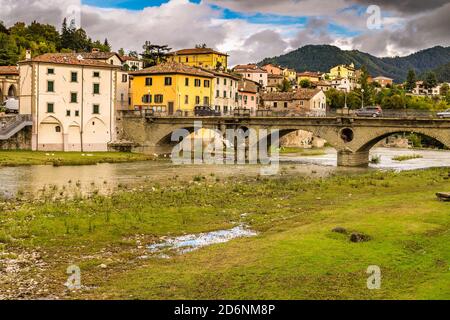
[9, 83]
[384, 81]
[253, 72]
[273, 82]
[225, 89]
[249, 95]
[346, 72]
[132, 63]
[272, 69]
[309, 102]
[172, 87]
[342, 84]
[71, 100]
[290, 74]
[322, 85]
[201, 57]
[421, 90]
[308, 75]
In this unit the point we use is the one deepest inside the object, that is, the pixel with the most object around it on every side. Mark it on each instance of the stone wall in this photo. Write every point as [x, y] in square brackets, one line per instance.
[20, 141]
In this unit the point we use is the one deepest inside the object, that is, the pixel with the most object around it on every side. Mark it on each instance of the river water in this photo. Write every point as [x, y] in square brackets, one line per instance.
[106, 178]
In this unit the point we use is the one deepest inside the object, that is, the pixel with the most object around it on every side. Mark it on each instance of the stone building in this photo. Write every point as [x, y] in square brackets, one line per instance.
[9, 83]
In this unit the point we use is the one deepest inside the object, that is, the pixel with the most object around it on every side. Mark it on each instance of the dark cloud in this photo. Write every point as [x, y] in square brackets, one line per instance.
[403, 6]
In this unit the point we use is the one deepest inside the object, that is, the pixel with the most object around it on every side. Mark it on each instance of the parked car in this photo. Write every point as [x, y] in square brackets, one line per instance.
[11, 105]
[444, 114]
[205, 111]
[373, 112]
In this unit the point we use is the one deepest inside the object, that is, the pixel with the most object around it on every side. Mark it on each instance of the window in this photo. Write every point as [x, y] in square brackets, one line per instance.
[50, 86]
[186, 99]
[253, 98]
[58, 129]
[217, 93]
[206, 83]
[73, 97]
[285, 104]
[159, 98]
[218, 81]
[124, 78]
[147, 98]
[275, 104]
[148, 81]
[206, 101]
[186, 82]
[77, 113]
[197, 100]
[96, 109]
[68, 113]
[225, 81]
[197, 83]
[50, 107]
[301, 102]
[168, 81]
[224, 94]
[96, 74]
[74, 77]
[96, 88]
[50, 71]
[187, 59]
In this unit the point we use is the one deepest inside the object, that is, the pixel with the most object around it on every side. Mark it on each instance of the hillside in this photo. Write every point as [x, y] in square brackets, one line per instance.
[323, 57]
[442, 73]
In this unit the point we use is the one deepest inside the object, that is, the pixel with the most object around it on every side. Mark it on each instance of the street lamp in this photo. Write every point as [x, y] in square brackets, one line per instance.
[362, 98]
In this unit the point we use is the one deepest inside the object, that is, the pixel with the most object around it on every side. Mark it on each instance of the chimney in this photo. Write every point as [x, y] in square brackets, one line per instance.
[28, 55]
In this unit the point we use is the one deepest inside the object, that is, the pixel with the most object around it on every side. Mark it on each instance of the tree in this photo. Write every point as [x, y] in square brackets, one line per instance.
[201, 46]
[430, 80]
[133, 54]
[121, 52]
[444, 89]
[305, 83]
[364, 82]
[284, 86]
[410, 80]
[335, 98]
[106, 46]
[8, 51]
[154, 54]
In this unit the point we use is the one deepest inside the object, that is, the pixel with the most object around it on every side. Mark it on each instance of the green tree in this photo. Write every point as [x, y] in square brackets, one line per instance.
[121, 52]
[444, 89]
[366, 88]
[410, 80]
[430, 80]
[305, 83]
[154, 54]
[335, 98]
[285, 86]
[9, 54]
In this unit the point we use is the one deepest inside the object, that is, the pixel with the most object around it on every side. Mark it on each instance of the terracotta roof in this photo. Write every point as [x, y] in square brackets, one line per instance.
[299, 94]
[128, 58]
[308, 74]
[250, 68]
[249, 86]
[172, 67]
[98, 55]
[275, 76]
[221, 73]
[68, 58]
[323, 83]
[197, 51]
[9, 70]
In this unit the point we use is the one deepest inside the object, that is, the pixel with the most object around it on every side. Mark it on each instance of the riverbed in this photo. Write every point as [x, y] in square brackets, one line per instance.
[106, 178]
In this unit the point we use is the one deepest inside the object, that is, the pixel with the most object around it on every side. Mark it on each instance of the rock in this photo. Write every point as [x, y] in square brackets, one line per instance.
[443, 196]
[359, 237]
[340, 230]
[103, 266]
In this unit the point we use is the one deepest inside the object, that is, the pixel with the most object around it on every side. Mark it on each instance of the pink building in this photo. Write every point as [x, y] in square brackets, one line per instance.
[249, 95]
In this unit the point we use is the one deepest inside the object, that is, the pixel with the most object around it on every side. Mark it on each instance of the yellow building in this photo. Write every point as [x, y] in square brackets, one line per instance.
[308, 75]
[343, 71]
[290, 74]
[201, 57]
[171, 88]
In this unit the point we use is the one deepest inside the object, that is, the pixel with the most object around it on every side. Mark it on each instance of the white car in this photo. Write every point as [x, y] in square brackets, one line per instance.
[445, 114]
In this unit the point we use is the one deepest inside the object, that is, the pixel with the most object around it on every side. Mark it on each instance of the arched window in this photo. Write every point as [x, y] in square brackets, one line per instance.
[58, 129]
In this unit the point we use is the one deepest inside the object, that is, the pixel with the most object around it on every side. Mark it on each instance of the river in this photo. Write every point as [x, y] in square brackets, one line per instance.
[106, 178]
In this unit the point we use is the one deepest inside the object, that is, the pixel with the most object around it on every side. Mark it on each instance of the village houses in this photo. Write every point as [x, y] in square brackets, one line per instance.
[253, 72]
[249, 97]
[201, 57]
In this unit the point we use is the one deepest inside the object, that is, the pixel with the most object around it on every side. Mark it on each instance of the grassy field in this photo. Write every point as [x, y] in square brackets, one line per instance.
[407, 157]
[295, 256]
[302, 151]
[26, 158]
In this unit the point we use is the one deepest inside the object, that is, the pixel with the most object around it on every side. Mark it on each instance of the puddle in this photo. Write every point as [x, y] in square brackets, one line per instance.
[192, 242]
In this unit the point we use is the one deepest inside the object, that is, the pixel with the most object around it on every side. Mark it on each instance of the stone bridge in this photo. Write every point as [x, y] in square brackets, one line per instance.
[351, 136]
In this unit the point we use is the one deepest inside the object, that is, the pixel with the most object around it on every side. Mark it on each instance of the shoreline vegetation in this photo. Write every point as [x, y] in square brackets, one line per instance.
[29, 158]
[296, 254]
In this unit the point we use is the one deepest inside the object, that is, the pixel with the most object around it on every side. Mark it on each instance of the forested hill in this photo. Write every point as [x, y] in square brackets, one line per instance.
[324, 57]
[43, 38]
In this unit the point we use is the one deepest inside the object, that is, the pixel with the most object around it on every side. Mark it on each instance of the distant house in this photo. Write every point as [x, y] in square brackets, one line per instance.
[249, 95]
[9, 83]
[252, 72]
[421, 90]
[310, 102]
[342, 84]
[201, 57]
[272, 69]
[308, 75]
[132, 63]
[322, 85]
[273, 82]
[383, 81]
[344, 77]
[290, 74]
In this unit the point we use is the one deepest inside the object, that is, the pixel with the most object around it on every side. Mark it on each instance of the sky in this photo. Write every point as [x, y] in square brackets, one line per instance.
[249, 30]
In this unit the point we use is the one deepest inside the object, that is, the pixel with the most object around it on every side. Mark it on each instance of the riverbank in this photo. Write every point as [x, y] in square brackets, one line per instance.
[28, 158]
[295, 255]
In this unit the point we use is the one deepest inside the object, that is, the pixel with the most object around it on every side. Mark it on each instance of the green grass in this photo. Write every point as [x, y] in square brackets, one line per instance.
[407, 157]
[295, 255]
[25, 158]
[302, 151]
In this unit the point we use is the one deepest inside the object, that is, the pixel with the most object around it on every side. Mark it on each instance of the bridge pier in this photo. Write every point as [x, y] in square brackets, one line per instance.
[347, 158]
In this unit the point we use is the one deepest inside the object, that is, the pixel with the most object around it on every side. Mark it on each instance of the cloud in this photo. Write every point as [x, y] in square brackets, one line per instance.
[404, 6]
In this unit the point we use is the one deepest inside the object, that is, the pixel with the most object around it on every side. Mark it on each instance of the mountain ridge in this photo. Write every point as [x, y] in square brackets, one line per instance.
[323, 57]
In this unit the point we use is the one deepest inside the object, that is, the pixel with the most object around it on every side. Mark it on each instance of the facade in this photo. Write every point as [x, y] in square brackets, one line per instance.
[383, 81]
[273, 82]
[9, 83]
[132, 63]
[225, 89]
[201, 57]
[272, 69]
[308, 75]
[290, 74]
[342, 84]
[344, 76]
[310, 102]
[171, 88]
[253, 72]
[249, 95]
[421, 90]
[71, 101]
[323, 85]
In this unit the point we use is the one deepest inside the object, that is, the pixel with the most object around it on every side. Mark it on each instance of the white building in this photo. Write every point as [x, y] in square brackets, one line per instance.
[132, 63]
[253, 72]
[72, 101]
[225, 92]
